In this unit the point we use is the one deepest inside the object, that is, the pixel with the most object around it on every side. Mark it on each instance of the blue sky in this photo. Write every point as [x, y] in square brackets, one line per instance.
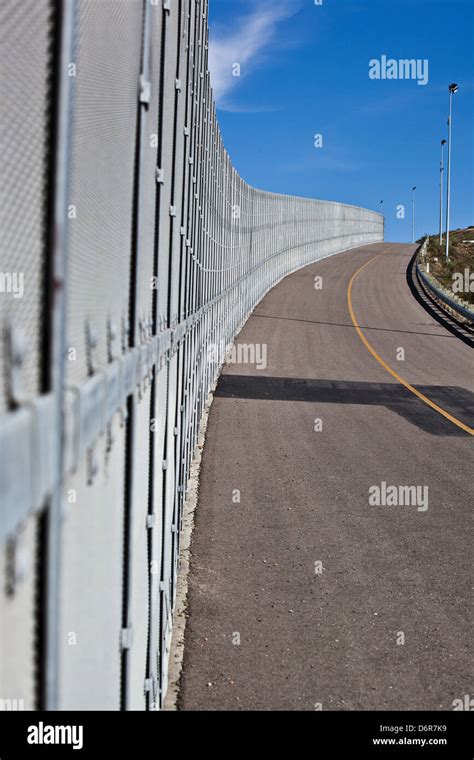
[305, 71]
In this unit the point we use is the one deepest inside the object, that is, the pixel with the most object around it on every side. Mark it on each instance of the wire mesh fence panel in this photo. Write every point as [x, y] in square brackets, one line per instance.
[173, 138]
[19, 626]
[137, 623]
[26, 119]
[108, 53]
[168, 251]
[91, 581]
[103, 165]
[25, 93]
[147, 302]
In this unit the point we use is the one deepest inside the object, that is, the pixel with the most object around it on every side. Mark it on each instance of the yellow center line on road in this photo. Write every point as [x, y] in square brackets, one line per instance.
[386, 366]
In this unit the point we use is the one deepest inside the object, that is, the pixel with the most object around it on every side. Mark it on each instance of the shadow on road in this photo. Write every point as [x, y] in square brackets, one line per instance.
[457, 401]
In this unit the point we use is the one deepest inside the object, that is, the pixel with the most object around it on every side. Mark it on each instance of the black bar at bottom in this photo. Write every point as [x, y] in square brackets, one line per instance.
[316, 734]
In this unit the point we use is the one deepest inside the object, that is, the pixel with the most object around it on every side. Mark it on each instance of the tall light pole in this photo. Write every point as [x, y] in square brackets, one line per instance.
[452, 89]
[413, 214]
[441, 170]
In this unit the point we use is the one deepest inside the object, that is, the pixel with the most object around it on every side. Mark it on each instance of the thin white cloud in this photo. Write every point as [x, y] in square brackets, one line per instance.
[244, 44]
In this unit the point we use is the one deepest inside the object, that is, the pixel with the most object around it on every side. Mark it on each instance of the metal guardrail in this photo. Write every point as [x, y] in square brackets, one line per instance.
[132, 253]
[438, 292]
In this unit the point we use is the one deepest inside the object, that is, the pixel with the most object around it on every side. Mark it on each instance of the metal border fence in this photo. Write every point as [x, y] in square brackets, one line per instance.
[133, 252]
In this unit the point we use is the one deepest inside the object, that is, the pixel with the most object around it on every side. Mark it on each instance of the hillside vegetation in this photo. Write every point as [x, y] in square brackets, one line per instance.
[461, 261]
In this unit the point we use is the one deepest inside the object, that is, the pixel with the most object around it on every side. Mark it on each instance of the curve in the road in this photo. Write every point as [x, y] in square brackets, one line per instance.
[386, 366]
[304, 594]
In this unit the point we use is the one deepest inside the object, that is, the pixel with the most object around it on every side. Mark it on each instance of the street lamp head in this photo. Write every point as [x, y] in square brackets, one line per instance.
[414, 188]
[443, 142]
[453, 88]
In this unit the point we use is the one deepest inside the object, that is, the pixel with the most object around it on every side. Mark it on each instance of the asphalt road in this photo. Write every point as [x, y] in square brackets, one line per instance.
[268, 628]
